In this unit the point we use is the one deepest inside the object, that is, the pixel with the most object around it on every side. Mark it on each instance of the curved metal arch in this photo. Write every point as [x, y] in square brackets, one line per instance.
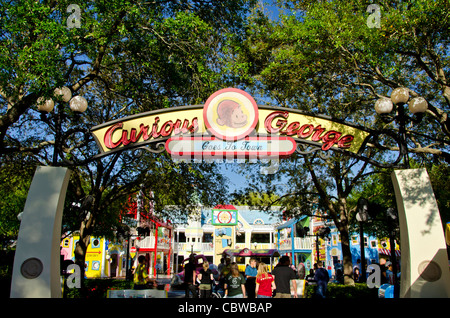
[373, 139]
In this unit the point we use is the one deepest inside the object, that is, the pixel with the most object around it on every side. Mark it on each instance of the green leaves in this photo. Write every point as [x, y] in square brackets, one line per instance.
[16, 180]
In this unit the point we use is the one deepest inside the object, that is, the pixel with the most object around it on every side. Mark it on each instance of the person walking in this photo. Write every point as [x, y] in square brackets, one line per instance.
[234, 283]
[250, 278]
[321, 277]
[265, 284]
[389, 273]
[283, 274]
[189, 277]
[205, 277]
[221, 265]
[224, 270]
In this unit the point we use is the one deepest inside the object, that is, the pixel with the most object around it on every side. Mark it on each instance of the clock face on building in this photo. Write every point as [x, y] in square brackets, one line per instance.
[224, 217]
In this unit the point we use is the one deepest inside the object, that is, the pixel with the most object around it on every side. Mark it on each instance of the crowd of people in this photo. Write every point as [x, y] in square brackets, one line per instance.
[255, 282]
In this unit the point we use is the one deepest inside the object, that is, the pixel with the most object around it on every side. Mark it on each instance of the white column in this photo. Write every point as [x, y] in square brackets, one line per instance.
[424, 264]
[36, 271]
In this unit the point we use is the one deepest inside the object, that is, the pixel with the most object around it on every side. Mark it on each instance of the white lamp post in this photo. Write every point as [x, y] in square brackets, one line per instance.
[77, 104]
[400, 97]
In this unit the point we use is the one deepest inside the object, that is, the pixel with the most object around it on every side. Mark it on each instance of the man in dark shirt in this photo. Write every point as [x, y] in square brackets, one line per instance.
[321, 277]
[283, 275]
[189, 277]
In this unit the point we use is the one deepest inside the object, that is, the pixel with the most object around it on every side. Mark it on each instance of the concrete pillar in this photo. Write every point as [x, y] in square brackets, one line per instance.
[424, 265]
[36, 271]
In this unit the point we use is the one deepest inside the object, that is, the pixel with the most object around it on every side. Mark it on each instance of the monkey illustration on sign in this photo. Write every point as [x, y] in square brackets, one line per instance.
[230, 114]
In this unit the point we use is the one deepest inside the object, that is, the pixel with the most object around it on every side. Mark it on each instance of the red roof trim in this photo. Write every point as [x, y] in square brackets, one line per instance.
[225, 207]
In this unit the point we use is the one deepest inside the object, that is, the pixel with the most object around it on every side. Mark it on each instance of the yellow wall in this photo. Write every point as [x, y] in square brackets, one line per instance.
[94, 257]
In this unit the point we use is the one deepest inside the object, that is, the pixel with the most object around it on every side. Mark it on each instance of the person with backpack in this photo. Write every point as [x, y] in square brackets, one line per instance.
[205, 277]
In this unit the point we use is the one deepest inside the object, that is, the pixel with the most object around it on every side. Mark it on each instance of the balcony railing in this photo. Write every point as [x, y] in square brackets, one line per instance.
[149, 242]
[299, 243]
[257, 246]
[203, 247]
[209, 247]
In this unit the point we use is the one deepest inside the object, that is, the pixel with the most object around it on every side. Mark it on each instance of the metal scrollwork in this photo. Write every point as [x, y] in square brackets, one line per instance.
[377, 141]
[301, 149]
[155, 148]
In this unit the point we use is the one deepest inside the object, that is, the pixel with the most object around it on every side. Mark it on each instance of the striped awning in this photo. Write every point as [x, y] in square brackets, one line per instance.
[386, 251]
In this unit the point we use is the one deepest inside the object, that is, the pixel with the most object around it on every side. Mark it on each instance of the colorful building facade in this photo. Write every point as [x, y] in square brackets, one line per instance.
[104, 258]
[215, 231]
[294, 244]
[238, 232]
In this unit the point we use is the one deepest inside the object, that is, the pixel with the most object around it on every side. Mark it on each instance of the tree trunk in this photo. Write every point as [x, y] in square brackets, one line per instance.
[346, 256]
[81, 248]
[80, 257]
[80, 252]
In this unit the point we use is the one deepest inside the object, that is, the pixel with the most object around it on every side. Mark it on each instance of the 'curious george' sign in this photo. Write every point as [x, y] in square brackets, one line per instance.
[230, 123]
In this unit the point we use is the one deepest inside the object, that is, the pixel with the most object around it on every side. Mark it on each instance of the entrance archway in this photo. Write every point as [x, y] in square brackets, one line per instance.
[231, 125]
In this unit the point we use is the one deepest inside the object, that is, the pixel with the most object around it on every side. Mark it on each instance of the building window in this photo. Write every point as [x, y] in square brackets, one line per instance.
[66, 242]
[240, 237]
[181, 237]
[334, 238]
[95, 243]
[260, 238]
[207, 238]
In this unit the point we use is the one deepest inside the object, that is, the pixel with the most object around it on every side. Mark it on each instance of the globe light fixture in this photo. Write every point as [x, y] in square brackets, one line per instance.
[418, 105]
[45, 105]
[64, 93]
[78, 104]
[383, 106]
[400, 96]
[363, 208]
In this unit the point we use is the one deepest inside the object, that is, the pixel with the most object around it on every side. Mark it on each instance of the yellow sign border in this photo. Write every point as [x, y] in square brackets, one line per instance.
[159, 125]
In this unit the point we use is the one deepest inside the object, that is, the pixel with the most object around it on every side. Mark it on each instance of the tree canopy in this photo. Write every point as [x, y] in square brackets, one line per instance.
[327, 57]
[123, 57]
[338, 58]
[152, 54]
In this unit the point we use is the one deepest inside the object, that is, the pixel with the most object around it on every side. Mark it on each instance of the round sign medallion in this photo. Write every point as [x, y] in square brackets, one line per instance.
[31, 268]
[430, 271]
[230, 114]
